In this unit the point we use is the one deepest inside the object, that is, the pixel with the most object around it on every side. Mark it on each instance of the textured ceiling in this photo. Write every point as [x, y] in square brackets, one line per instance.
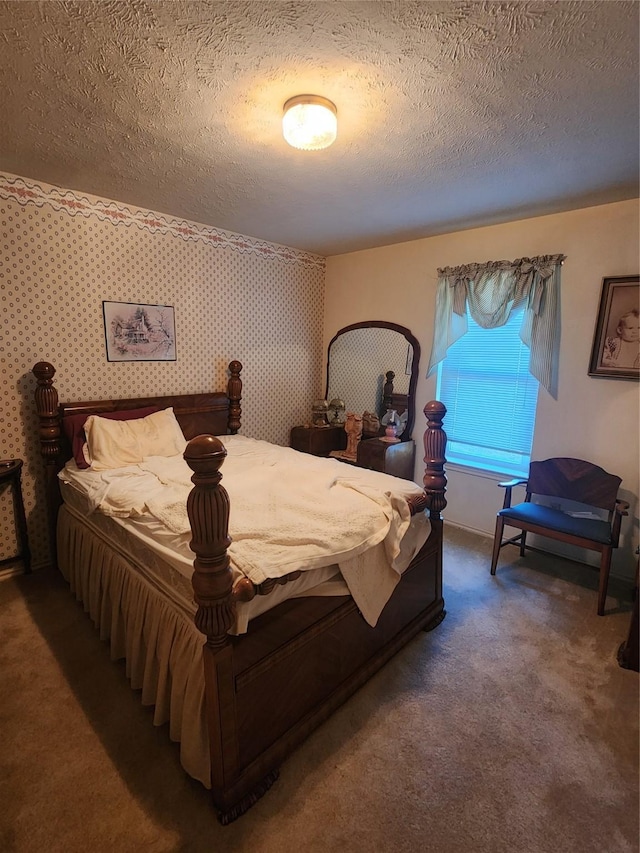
[451, 114]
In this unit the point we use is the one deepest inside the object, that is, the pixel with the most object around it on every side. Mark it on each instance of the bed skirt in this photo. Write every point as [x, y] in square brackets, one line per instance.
[161, 646]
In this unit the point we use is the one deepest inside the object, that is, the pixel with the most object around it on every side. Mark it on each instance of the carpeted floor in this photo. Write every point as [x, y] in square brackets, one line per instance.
[509, 729]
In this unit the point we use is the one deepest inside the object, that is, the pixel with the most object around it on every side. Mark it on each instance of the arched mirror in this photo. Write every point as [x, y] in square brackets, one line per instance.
[373, 366]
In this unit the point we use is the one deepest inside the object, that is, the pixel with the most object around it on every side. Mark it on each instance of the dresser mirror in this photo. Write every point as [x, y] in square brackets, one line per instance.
[360, 359]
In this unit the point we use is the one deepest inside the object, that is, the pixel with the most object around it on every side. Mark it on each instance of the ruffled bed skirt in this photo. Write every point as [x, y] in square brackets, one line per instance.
[160, 644]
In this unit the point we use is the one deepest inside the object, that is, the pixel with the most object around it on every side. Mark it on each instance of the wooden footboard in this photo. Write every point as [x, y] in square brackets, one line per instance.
[266, 691]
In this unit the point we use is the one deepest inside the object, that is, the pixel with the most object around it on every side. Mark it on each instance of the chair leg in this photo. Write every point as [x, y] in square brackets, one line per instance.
[605, 567]
[497, 541]
[523, 542]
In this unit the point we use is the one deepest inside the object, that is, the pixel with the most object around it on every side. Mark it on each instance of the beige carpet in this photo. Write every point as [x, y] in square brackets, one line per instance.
[510, 728]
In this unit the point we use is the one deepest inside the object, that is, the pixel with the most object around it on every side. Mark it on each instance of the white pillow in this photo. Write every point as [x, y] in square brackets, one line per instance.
[114, 444]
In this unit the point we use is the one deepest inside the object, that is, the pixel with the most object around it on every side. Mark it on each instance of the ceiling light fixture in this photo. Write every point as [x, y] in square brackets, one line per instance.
[309, 122]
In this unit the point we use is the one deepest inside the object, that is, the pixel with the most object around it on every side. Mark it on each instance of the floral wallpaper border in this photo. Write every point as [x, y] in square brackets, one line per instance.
[25, 193]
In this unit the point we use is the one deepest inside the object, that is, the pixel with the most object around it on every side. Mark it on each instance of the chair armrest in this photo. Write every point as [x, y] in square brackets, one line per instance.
[507, 486]
[622, 507]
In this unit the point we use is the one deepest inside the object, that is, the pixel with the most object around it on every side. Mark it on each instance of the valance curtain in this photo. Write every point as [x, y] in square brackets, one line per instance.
[492, 291]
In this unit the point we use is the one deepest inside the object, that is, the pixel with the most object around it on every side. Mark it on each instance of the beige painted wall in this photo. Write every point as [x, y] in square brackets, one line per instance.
[593, 418]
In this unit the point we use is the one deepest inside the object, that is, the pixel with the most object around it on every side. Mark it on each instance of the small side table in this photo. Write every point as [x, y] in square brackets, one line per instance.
[395, 459]
[318, 441]
[11, 473]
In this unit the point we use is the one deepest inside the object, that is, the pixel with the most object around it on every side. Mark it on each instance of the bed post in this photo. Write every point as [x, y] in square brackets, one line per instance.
[387, 391]
[46, 397]
[208, 510]
[435, 483]
[435, 443]
[234, 392]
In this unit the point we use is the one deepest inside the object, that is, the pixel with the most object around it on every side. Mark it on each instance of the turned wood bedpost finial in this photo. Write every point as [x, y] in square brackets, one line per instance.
[47, 409]
[234, 392]
[46, 398]
[387, 390]
[435, 442]
[208, 511]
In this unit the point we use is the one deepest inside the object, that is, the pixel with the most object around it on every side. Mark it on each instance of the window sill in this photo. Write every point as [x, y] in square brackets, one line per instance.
[482, 473]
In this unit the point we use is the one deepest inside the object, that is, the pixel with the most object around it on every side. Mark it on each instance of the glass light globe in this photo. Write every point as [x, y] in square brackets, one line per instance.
[309, 122]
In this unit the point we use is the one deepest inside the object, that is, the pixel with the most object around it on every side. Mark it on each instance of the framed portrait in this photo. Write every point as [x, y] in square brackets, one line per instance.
[134, 331]
[616, 346]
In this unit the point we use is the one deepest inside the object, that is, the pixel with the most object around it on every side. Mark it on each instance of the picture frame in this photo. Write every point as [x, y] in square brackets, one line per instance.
[138, 331]
[615, 350]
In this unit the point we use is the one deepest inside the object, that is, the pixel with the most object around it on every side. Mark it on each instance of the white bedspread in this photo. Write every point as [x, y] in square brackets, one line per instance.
[289, 511]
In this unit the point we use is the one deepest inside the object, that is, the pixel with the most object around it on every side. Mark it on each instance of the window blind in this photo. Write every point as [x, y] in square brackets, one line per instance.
[491, 398]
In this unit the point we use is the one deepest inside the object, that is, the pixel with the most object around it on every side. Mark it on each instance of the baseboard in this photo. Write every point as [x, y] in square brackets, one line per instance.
[17, 568]
[550, 552]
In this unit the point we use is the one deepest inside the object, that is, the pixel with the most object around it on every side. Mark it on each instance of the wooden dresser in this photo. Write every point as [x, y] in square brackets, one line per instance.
[373, 453]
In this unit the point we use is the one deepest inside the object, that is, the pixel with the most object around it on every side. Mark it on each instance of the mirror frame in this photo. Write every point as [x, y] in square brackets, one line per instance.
[413, 380]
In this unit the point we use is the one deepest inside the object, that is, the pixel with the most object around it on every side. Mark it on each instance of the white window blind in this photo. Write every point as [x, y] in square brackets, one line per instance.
[491, 399]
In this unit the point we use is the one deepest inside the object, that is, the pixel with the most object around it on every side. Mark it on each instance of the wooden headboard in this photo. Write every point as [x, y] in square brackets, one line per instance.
[214, 413]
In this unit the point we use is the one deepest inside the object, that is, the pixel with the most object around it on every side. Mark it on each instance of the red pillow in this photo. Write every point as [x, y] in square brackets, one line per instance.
[73, 426]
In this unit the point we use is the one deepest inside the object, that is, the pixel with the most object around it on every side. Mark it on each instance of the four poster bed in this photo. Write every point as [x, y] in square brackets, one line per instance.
[242, 655]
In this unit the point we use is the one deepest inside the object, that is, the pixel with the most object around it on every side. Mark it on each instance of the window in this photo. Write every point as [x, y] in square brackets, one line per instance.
[491, 398]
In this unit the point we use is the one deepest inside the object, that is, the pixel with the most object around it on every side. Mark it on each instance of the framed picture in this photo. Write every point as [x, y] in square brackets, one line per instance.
[134, 331]
[616, 351]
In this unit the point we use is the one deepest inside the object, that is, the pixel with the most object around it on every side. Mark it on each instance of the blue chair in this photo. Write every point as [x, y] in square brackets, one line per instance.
[568, 480]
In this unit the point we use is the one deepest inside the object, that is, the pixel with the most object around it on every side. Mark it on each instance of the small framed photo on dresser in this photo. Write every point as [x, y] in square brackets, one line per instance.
[135, 331]
[616, 341]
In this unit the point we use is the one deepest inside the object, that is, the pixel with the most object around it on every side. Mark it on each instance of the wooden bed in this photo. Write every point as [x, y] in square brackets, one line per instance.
[265, 690]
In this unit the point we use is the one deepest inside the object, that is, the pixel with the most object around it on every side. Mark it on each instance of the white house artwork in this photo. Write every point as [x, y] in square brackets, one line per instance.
[138, 332]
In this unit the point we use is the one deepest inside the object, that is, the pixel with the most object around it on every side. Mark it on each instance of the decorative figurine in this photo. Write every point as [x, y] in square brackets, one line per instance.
[370, 423]
[353, 428]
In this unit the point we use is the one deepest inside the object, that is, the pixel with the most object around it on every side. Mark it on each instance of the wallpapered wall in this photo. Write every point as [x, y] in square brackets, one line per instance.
[235, 297]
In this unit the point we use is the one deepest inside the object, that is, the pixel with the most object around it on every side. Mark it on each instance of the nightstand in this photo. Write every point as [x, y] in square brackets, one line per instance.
[10, 473]
[319, 441]
[395, 459]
